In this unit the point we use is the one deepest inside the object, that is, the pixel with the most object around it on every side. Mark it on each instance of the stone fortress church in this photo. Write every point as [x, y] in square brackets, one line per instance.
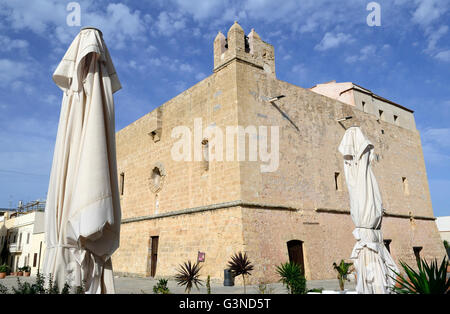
[172, 210]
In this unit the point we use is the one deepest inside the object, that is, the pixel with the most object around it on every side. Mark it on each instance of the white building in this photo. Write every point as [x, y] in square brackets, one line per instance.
[443, 224]
[25, 238]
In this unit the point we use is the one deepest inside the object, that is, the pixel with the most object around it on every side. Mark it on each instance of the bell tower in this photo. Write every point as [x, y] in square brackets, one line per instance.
[239, 47]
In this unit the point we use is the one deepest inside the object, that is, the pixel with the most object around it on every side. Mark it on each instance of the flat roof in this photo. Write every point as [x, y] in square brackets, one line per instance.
[443, 223]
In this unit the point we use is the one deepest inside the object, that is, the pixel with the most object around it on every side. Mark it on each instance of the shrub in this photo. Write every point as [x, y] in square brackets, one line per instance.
[4, 268]
[208, 285]
[38, 287]
[292, 277]
[343, 270]
[161, 287]
[263, 288]
[430, 279]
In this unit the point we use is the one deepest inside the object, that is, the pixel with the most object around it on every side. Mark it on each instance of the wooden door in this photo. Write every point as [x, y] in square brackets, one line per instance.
[295, 250]
[154, 255]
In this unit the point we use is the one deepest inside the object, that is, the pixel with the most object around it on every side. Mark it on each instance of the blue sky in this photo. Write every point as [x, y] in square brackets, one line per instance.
[160, 48]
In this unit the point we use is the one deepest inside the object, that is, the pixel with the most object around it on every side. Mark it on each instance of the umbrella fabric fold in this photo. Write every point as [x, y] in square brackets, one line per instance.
[373, 263]
[83, 208]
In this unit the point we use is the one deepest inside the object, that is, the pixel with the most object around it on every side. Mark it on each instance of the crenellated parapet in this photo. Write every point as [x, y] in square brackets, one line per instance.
[249, 49]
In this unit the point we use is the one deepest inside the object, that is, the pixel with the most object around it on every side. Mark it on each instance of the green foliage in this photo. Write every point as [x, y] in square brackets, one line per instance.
[240, 265]
[25, 269]
[430, 279]
[3, 289]
[264, 289]
[38, 287]
[292, 277]
[4, 268]
[161, 287]
[343, 269]
[208, 284]
[446, 245]
[188, 275]
[319, 290]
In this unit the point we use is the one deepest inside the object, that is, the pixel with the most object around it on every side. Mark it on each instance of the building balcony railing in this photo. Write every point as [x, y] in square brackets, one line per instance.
[14, 248]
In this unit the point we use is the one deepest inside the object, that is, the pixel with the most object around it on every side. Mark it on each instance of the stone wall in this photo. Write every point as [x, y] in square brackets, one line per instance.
[298, 201]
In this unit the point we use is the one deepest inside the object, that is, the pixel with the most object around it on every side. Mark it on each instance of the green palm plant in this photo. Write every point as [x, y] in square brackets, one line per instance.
[240, 265]
[343, 269]
[188, 275]
[292, 277]
[429, 279]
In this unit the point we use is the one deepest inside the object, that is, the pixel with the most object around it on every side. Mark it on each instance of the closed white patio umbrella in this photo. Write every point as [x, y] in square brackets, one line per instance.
[373, 263]
[82, 213]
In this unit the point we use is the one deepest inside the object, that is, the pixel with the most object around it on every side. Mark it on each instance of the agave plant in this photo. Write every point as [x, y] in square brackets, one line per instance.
[430, 279]
[240, 265]
[188, 275]
[161, 287]
[292, 277]
[343, 270]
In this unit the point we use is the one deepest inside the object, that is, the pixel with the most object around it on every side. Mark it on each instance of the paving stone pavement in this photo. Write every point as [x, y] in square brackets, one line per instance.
[129, 285]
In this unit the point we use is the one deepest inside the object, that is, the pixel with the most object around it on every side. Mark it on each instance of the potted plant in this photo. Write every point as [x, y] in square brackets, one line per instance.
[26, 271]
[20, 272]
[3, 270]
[240, 265]
[343, 269]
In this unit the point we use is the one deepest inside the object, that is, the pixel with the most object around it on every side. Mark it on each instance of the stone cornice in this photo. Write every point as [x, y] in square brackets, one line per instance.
[240, 203]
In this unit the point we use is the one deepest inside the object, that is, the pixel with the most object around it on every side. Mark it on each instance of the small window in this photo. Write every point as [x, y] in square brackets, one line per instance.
[417, 250]
[382, 131]
[122, 183]
[380, 113]
[387, 244]
[156, 176]
[364, 106]
[205, 148]
[395, 119]
[405, 186]
[35, 259]
[28, 238]
[337, 181]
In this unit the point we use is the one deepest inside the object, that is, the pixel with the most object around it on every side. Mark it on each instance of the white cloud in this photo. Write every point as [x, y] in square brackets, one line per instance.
[8, 44]
[437, 136]
[12, 72]
[168, 23]
[47, 18]
[428, 11]
[331, 40]
[200, 76]
[436, 145]
[36, 16]
[434, 37]
[186, 68]
[200, 9]
[366, 52]
[119, 25]
[443, 56]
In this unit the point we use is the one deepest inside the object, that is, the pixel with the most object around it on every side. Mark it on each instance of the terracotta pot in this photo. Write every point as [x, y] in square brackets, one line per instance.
[20, 273]
[448, 268]
[27, 274]
[2, 275]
